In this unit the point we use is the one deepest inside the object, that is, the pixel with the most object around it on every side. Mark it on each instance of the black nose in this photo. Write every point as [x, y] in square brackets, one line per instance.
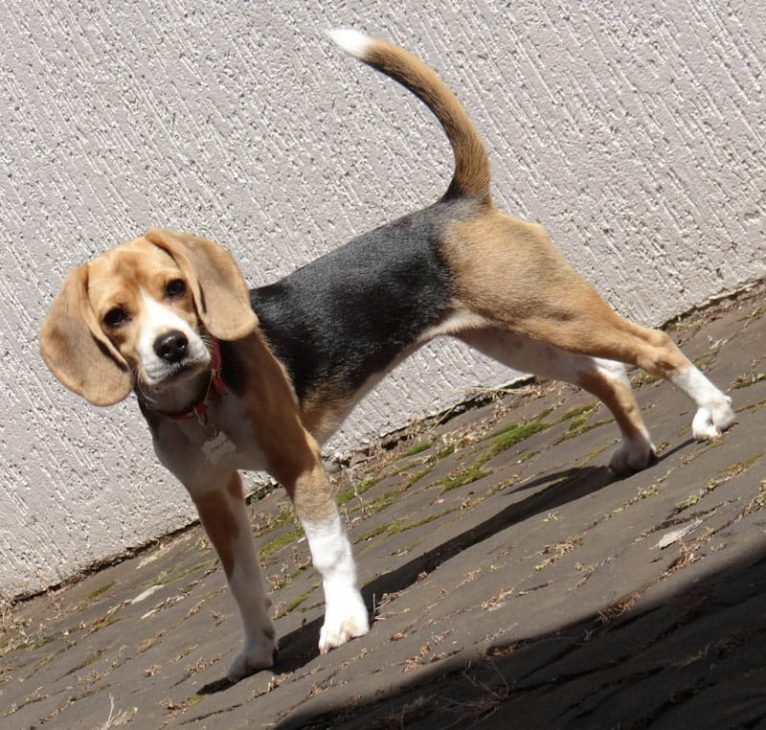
[172, 346]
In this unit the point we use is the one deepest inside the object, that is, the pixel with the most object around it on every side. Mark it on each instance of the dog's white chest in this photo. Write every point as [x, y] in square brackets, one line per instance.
[212, 443]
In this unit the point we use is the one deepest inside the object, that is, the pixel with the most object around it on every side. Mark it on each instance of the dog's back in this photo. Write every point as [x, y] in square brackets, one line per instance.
[318, 322]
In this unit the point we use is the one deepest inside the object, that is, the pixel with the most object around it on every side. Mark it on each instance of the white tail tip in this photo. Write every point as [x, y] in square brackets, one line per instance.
[351, 41]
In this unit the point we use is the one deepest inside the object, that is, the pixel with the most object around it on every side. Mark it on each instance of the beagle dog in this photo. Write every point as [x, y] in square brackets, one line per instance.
[232, 379]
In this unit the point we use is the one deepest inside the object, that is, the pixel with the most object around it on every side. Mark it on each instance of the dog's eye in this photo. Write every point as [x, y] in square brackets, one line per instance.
[115, 317]
[175, 288]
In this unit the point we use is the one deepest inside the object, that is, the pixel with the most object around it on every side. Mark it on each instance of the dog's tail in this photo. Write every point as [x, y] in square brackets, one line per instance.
[471, 178]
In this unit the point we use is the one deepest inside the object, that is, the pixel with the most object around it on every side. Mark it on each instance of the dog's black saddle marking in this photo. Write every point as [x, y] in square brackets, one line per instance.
[347, 315]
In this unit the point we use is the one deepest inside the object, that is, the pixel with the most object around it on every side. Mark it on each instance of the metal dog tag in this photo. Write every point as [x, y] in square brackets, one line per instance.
[218, 446]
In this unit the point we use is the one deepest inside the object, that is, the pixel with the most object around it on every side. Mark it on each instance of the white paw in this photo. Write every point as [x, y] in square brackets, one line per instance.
[710, 421]
[632, 456]
[345, 618]
[260, 653]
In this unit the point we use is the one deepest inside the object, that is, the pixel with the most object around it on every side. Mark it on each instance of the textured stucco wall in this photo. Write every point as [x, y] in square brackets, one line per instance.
[633, 130]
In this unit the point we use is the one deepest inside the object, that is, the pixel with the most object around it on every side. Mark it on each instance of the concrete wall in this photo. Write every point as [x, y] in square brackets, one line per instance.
[633, 130]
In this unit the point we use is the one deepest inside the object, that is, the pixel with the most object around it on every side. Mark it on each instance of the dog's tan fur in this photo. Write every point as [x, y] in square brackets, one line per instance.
[509, 271]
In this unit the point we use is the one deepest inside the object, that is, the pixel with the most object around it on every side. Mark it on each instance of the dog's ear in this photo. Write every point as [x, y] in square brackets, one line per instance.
[77, 351]
[219, 290]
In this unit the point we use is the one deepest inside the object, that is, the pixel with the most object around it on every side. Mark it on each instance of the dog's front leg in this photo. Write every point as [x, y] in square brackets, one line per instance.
[222, 510]
[345, 612]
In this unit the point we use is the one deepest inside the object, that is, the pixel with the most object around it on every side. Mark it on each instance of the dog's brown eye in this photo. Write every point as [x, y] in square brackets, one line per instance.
[115, 317]
[175, 288]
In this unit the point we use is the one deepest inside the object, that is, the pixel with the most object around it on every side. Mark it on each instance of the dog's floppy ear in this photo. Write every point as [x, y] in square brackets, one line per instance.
[220, 293]
[76, 350]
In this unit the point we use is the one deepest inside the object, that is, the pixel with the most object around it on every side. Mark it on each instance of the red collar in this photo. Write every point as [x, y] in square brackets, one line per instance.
[215, 386]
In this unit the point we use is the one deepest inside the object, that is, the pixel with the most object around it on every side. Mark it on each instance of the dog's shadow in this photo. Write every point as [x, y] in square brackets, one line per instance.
[299, 647]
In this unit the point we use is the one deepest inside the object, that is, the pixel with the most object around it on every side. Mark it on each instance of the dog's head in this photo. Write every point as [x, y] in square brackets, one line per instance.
[137, 316]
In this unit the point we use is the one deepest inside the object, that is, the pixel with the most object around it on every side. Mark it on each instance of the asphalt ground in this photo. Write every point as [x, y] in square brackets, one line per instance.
[514, 582]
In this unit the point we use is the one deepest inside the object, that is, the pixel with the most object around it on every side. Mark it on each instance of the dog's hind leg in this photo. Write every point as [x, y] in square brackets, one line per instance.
[599, 332]
[605, 379]
[510, 273]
